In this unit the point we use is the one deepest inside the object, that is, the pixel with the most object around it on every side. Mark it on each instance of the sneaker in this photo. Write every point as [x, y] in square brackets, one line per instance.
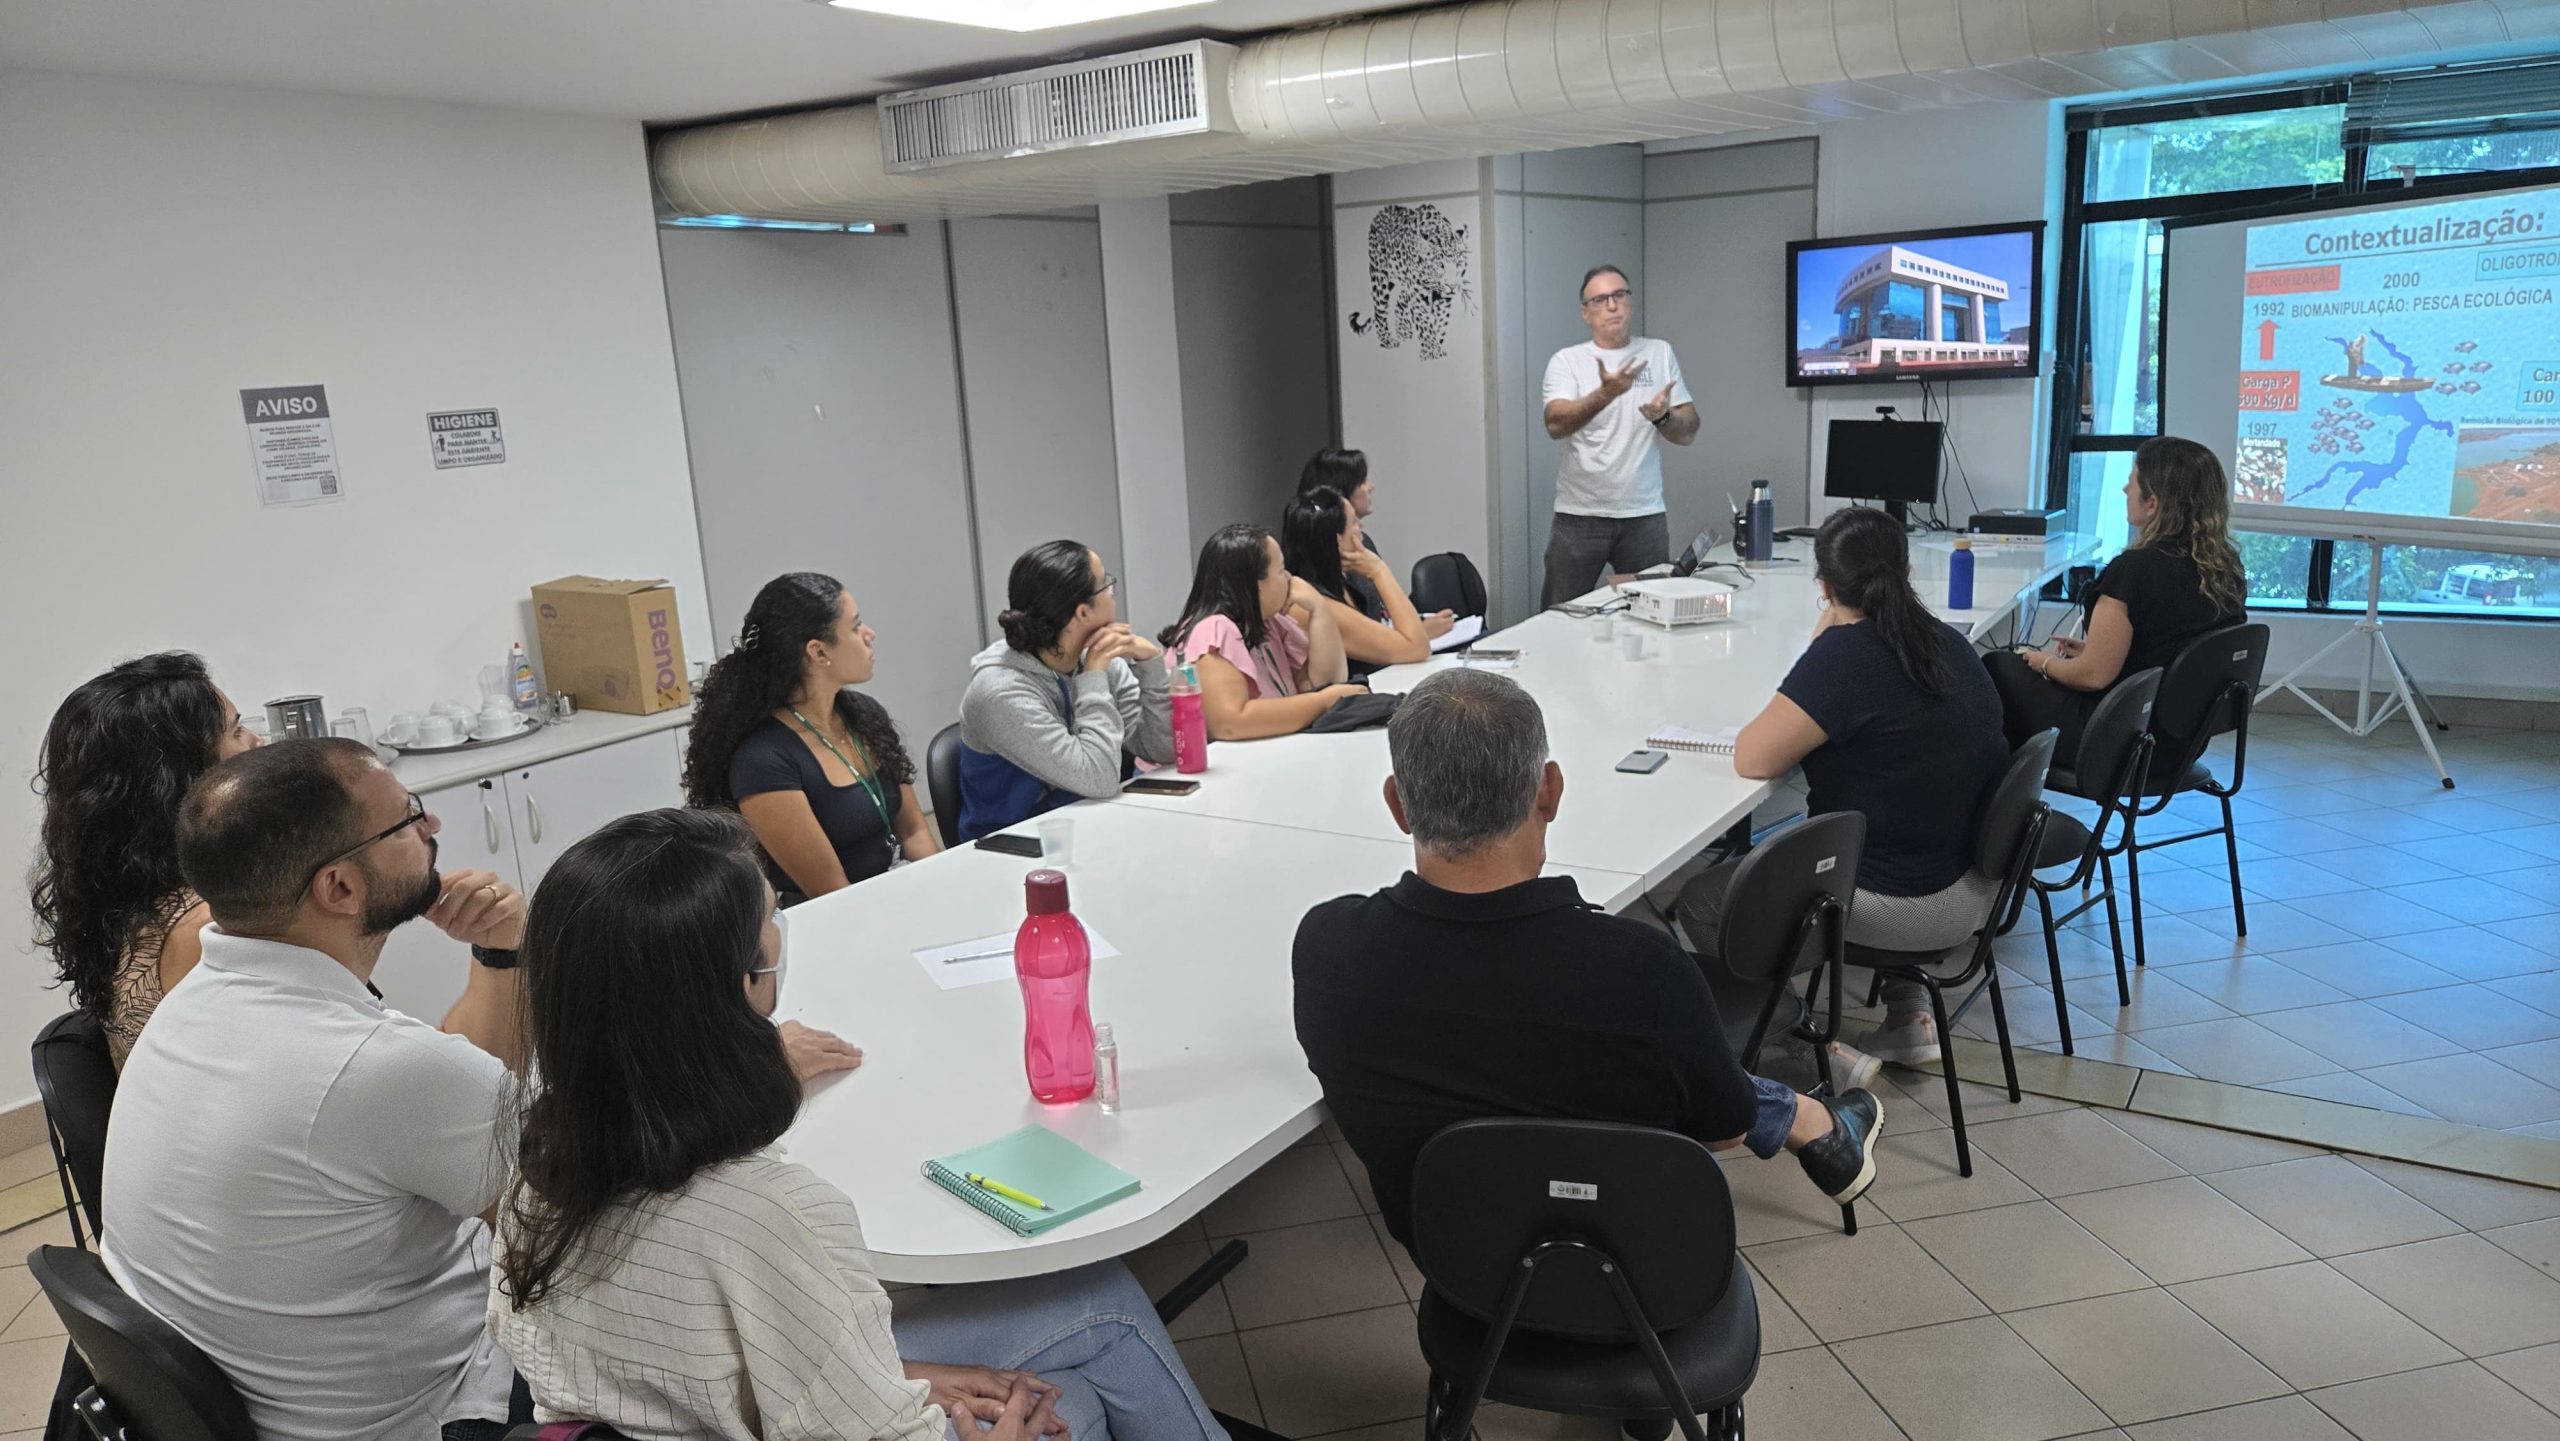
[1912, 1043]
[1842, 1161]
[1852, 1069]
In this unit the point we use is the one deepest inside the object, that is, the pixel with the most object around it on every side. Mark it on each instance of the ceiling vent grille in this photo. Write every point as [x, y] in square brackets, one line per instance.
[1141, 95]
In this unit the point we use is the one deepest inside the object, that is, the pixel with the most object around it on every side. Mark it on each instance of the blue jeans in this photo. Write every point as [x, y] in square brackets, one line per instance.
[1091, 1331]
[1771, 1118]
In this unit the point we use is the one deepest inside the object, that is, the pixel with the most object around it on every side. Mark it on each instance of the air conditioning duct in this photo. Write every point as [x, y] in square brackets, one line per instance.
[1507, 75]
[1142, 95]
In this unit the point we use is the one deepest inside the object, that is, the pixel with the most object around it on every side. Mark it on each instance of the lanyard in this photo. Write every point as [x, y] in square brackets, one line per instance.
[862, 775]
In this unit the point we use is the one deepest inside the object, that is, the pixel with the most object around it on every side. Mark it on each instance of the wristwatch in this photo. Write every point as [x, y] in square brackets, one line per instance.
[493, 958]
[1657, 420]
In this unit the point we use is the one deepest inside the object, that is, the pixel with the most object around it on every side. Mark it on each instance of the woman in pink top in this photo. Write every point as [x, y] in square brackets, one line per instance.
[1269, 656]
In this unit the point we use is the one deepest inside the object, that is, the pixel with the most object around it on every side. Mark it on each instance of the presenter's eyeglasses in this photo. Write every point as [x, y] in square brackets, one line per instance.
[1619, 296]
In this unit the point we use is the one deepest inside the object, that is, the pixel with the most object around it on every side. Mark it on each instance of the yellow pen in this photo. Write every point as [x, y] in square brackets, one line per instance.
[1001, 1189]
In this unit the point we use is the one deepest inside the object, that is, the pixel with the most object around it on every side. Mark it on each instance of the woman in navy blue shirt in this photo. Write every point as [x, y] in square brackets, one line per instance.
[1889, 714]
[780, 737]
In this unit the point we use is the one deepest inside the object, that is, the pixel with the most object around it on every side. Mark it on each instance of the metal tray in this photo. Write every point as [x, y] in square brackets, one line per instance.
[534, 724]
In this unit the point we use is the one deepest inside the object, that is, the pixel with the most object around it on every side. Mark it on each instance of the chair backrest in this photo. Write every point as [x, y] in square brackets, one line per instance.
[2205, 692]
[942, 782]
[155, 1381]
[2107, 743]
[1447, 581]
[1487, 1192]
[76, 1077]
[1765, 937]
[2011, 806]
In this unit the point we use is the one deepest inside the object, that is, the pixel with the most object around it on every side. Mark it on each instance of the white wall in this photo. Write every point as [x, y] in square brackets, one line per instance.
[1976, 166]
[1035, 361]
[816, 447]
[1716, 227]
[169, 245]
[1423, 422]
[1251, 266]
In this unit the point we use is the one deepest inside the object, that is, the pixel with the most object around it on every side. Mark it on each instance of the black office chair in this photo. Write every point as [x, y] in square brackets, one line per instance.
[942, 782]
[2115, 756]
[2006, 838]
[1447, 581]
[1581, 1268]
[2205, 694]
[1787, 915]
[152, 1384]
[76, 1078]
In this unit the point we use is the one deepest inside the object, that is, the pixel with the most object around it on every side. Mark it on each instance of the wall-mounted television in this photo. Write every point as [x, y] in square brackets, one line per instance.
[1915, 305]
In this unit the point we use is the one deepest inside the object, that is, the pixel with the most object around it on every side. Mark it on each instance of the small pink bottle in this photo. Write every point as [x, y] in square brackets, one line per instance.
[1190, 723]
[1054, 962]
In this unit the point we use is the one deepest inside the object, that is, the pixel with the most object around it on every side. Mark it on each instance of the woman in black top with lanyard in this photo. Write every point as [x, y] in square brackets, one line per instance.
[817, 770]
[2180, 578]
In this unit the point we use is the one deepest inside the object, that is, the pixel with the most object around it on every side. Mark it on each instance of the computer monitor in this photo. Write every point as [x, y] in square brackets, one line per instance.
[1895, 461]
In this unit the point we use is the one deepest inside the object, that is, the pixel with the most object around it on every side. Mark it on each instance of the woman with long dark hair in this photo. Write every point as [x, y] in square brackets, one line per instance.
[1346, 474]
[1889, 715]
[663, 1269]
[1051, 708]
[118, 756]
[2180, 578]
[1269, 655]
[1321, 544]
[780, 737]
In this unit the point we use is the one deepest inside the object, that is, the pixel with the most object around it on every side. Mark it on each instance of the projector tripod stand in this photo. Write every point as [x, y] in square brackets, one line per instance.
[2405, 698]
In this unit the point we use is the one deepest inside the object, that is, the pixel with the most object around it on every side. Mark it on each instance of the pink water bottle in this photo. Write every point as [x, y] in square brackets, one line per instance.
[1054, 963]
[1190, 723]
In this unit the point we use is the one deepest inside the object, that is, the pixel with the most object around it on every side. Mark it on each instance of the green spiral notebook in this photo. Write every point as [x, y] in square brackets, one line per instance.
[1039, 1161]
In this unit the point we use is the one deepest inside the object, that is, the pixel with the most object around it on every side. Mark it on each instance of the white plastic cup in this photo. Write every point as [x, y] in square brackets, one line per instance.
[1631, 644]
[1604, 628]
[1057, 841]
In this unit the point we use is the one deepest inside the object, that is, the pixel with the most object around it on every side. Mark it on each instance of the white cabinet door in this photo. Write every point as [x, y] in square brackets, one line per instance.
[559, 802]
[422, 970]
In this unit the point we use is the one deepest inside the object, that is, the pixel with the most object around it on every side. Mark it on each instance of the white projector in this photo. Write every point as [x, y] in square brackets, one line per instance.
[1679, 600]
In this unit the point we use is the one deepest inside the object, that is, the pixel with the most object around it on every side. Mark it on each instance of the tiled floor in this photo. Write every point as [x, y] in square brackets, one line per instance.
[2404, 940]
[2102, 1274]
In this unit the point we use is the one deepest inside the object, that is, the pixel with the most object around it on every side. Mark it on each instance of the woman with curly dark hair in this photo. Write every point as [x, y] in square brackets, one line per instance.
[118, 756]
[779, 737]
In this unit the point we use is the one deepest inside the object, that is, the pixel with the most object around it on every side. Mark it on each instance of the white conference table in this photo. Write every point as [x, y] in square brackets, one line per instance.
[1203, 894]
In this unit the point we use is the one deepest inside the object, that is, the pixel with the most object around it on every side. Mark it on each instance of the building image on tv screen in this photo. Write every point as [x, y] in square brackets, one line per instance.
[1947, 304]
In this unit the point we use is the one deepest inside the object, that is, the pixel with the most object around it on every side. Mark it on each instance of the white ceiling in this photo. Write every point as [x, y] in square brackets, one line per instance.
[656, 60]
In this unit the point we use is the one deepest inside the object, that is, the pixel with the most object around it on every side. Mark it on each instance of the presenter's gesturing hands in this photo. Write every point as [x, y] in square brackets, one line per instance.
[1659, 406]
[1614, 383]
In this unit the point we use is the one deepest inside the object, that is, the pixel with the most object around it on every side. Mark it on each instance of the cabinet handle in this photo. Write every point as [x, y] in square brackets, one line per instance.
[533, 813]
[489, 822]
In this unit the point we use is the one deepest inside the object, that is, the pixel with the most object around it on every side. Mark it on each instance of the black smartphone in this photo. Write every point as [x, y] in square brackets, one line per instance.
[1643, 763]
[1027, 847]
[1160, 786]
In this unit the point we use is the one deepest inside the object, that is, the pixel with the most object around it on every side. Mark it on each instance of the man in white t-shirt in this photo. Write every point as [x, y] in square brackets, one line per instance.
[1607, 399]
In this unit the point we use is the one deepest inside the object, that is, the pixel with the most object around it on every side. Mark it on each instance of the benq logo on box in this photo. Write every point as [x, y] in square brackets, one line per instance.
[662, 650]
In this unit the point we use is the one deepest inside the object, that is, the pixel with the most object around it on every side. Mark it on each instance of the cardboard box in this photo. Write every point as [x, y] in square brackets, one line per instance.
[615, 645]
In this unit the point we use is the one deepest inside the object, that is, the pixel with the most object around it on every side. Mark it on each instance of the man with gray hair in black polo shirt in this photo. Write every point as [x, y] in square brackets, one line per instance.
[1477, 987]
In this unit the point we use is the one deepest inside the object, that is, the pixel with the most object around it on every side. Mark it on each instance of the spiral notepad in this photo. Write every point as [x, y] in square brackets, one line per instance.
[1038, 1160]
[1681, 738]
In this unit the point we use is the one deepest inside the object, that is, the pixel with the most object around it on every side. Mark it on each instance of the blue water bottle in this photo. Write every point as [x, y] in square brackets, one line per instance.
[1960, 576]
[1764, 521]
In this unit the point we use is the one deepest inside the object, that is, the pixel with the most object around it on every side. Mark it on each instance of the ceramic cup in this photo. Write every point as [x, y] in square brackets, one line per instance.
[435, 730]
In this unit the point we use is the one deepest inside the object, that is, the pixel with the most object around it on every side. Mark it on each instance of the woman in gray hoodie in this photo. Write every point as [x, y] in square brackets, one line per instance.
[1051, 708]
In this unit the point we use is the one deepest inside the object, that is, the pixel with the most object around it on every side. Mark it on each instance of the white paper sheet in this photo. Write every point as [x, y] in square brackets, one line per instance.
[988, 958]
[1462, 633]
